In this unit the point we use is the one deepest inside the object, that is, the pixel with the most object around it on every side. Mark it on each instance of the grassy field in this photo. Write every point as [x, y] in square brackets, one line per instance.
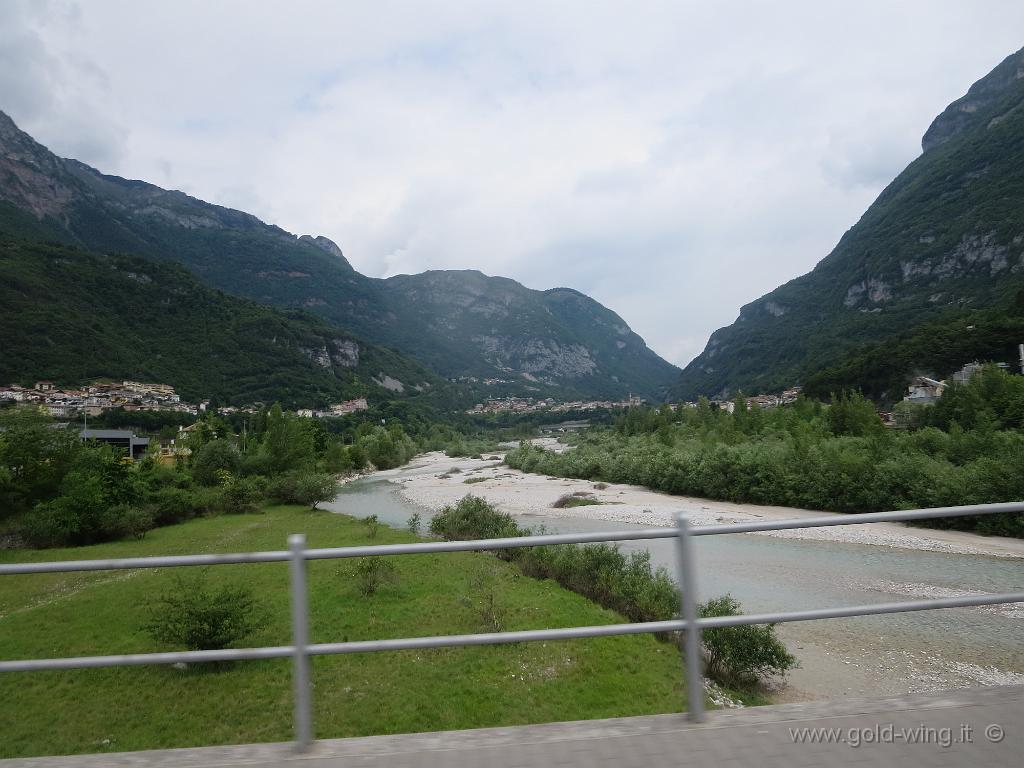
[52, 615]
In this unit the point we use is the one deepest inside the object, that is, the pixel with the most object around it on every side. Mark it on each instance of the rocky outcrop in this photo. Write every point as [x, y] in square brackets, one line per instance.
[327, 246]
[965, 111]
[345, 352]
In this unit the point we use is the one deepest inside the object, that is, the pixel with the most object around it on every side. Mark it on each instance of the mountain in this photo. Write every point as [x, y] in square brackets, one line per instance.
[71, 315]
[944, 238]
[458, 323]
[935, 349]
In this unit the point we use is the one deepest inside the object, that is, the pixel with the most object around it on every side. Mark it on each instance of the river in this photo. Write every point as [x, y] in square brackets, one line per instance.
[864, 656]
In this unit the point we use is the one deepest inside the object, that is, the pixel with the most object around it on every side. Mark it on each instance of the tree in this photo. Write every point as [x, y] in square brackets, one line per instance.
[741, 655]
[215, 456]
[315, 488]
[853, 414]
[35, 454]
[287, 441]
[97, 502]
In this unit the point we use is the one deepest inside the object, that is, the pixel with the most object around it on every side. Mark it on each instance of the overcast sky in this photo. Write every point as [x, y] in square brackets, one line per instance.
[673, 160]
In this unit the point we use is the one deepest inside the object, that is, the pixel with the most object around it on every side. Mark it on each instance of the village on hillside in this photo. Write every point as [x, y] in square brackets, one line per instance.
[133, 396]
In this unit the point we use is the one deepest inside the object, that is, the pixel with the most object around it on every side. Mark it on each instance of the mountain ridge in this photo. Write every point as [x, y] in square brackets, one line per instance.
[458, 323]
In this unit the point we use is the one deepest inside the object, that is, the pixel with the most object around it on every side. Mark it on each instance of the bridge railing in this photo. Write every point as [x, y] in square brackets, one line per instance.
[301, 650]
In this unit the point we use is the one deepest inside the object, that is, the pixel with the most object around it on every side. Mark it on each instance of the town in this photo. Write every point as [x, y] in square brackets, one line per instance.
[129, 396]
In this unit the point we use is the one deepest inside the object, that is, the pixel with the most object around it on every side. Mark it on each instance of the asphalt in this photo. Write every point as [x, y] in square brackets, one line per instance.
[974, 727]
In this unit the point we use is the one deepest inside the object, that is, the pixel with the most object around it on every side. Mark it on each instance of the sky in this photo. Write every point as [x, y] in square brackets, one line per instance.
[674, 160]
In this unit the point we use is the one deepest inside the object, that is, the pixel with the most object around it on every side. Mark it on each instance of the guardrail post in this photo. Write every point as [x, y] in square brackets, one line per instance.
[688, 610]
[300, 639]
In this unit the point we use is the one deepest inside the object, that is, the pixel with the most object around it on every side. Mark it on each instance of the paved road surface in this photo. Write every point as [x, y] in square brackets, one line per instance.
[979, 728]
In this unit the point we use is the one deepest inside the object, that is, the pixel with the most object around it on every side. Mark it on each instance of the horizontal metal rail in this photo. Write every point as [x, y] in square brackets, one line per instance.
[301, 650]
[861, 518]
[501, 638]
[517, 542]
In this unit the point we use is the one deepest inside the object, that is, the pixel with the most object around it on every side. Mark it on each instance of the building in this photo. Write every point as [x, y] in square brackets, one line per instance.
[144, 388]
[349, 406]
[565, 426]
[966, 373]
[925, 391]
[124, 439]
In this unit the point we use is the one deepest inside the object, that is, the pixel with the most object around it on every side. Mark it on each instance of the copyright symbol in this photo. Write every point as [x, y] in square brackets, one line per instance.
[994, 733]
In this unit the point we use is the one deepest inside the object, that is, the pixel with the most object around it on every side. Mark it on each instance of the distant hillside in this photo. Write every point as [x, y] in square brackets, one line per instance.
[457, 323]
[71, 316]
[947, 235]
[936, 349]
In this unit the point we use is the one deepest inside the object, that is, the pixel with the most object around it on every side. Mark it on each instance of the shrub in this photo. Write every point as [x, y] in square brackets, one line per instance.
[578, 499]
[371, 573]
[127, 521]
[216, 456]
[202, 618]
[239, 495]
[93, 499]
[491, 614]
[414, 523]
[741, 655]
[473, 518]
[372, 526]
[173, 505]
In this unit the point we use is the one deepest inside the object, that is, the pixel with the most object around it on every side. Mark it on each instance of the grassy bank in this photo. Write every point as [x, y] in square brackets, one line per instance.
[55, 615]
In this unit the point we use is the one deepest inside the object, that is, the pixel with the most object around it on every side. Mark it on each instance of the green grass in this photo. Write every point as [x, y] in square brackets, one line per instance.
[471, 480]
[53, 615]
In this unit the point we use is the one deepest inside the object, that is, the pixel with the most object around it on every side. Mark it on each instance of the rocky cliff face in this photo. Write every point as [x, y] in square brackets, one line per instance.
[459, 323]
[947, 233]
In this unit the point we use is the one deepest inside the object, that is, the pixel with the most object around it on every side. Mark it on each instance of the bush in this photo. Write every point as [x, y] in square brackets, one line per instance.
[598, 571]
[414, 523]
[239, 495]
[94, 497]
[371, 573]
[489, 612]
[372, 526]
[127, 521]
[173, 505]
[203, 618]
[743, 655]
[473, 518]
[214, 457]
[578, 499]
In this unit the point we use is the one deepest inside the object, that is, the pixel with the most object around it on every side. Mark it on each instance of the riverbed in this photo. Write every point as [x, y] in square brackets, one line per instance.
[792, 570]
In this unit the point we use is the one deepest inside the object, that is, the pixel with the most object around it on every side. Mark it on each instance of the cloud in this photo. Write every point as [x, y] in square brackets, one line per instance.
[674, 160]
[55, 92]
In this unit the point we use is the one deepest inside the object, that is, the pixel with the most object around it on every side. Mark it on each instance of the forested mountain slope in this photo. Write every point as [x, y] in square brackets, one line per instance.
[70, 315]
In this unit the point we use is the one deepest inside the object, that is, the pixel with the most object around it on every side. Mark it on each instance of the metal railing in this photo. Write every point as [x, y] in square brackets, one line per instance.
[297, 556]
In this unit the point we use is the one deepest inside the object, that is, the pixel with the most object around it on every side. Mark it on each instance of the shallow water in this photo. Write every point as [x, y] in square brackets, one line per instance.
[872, 655]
